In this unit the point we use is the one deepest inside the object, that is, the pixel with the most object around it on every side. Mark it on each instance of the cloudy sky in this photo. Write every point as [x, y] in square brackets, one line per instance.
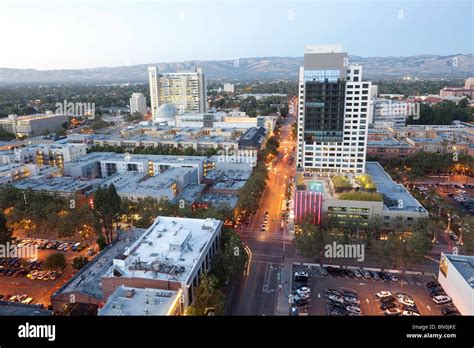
[60, 34]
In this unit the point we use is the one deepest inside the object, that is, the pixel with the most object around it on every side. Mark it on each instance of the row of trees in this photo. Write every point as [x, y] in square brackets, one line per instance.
[444, 113]
[426, 163]
[399, 249]
[228, 264]
[157, 150]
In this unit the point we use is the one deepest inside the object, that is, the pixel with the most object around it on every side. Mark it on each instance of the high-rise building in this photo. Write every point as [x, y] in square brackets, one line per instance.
[185, 90]
[138, 104]
[154, 90]
[333, 112]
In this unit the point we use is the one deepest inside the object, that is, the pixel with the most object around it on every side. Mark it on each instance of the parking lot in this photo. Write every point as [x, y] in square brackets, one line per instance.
[363, 290]
[26, 280]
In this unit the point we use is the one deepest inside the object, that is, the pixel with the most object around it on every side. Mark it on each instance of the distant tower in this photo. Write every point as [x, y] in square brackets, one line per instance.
[138, 104]
[185, 90]
[154, 90]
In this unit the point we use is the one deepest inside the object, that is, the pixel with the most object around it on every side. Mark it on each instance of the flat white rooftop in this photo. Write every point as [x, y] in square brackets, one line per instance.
[136, 301]
[168, 250]
[403, 200]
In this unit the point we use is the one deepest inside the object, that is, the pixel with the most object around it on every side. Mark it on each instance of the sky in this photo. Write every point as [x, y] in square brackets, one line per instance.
[71, 34]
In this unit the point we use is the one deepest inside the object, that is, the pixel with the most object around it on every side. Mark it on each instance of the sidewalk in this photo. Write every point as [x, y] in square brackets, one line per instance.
[283, 306]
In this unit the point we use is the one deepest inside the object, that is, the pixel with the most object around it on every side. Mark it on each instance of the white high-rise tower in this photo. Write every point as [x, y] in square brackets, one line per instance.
[333, 112]
[154, 91]
[185, 90]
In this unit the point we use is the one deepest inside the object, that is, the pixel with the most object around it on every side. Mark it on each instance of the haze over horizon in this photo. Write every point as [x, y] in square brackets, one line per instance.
[52, 35]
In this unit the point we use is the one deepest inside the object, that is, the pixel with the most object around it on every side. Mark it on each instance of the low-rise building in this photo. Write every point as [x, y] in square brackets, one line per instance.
[137, 186]
[172, 255]
[33, 124]
[456, 276]
[129, 301]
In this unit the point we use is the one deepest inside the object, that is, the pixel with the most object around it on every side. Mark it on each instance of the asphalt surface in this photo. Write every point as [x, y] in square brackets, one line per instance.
[256, 293]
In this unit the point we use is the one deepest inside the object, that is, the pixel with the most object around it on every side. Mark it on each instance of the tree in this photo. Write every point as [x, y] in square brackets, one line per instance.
[310, 242]
[107, 209]
[55, 261]
[79, 262]
[231, 258]
[101, 242]
[5, 231]
[207, 298]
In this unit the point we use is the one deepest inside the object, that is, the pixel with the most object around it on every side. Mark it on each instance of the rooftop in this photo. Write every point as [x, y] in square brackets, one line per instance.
[396, 193]
[88, 279]
[465, 266]
[59, 184]
[169, 249]
[18, 309]
[135, 301]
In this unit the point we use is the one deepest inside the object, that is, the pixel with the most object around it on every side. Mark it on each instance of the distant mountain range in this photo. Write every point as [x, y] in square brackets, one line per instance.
[244, 69]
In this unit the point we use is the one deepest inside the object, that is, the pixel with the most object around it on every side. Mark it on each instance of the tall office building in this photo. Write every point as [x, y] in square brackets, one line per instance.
[138, 104]
[185, 90]
[154, 90]
[333, 112]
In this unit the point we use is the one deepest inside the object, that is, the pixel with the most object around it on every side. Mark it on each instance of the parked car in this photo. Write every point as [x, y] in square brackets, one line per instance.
[393, 277]
[392, 311]
[353, 309]
[387, 305]
[365, 274]
[441, 299]
[301, 277]
[322, 270]
[411, 314]
[303, 292]
[374, 275]
[27, 300]
[447, 310]
[351, 300]
[406, 301]
[383, 294]
[387, 299]
[336, 298]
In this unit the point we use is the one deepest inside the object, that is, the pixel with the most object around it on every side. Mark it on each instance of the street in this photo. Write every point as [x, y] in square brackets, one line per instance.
[256, 293]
